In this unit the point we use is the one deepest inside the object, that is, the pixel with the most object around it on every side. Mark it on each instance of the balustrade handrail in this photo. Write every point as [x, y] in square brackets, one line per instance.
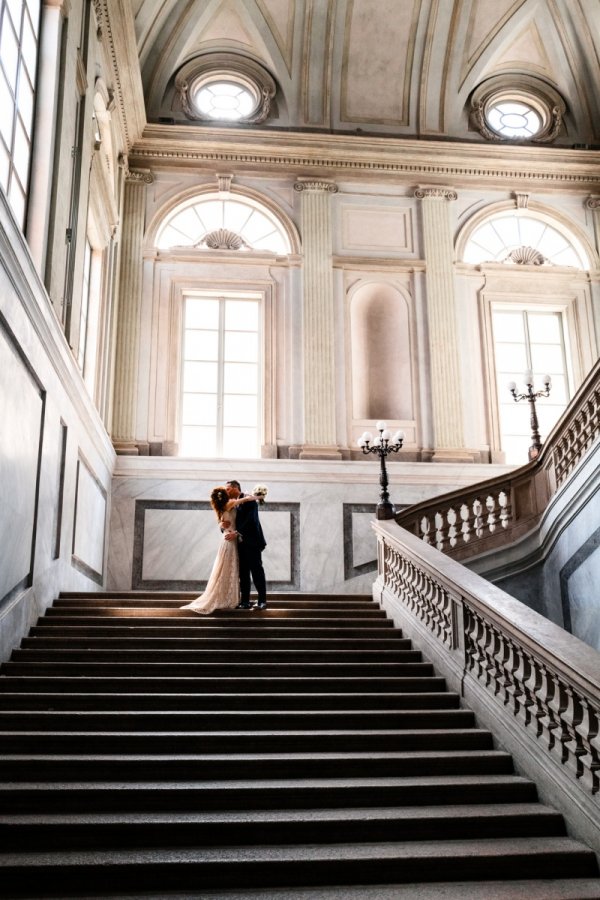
[544, 681]
[466, 522]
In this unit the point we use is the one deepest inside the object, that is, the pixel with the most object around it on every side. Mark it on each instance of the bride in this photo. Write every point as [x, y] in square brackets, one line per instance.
[223, 587]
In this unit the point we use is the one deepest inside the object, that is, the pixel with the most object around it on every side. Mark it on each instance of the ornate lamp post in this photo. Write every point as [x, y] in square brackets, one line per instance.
[382, 445]
[532, 396]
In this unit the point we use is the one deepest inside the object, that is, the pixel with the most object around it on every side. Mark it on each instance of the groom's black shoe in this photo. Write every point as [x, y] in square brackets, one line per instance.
[244, 606]
[262, 604]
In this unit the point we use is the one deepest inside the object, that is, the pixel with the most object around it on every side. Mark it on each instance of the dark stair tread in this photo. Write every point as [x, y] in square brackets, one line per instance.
[259, 816]
[499, 848]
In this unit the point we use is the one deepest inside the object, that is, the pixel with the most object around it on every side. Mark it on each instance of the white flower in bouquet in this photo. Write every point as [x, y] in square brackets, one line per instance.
[260, 492]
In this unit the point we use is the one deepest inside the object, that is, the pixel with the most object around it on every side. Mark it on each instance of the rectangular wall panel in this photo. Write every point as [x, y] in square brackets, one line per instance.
[89, 526]
[22, 403]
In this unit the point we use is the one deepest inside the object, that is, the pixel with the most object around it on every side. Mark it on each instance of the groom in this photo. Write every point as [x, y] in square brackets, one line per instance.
[251, 543]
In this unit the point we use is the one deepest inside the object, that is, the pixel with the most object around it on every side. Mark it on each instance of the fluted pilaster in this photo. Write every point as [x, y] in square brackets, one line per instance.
[128, 320]
[318, 321]
[441, 314]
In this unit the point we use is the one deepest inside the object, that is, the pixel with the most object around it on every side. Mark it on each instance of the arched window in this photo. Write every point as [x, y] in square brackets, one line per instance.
[530, 314]
[523, 239]
[216, 223]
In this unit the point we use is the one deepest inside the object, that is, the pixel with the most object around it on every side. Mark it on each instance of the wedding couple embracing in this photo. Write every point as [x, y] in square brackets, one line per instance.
[239, 555]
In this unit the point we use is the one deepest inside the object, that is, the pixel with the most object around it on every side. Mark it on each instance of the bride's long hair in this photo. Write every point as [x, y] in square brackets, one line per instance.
[219, 501]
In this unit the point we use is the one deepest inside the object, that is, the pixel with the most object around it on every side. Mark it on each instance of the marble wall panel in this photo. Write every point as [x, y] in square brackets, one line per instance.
[89, 522]
[175, 543]
[582, 591]
[22, 407]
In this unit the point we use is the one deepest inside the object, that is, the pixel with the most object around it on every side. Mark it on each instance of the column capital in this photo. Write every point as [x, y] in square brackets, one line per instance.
[592, 202]
[435, 192]
[134, 176]
[325, 187]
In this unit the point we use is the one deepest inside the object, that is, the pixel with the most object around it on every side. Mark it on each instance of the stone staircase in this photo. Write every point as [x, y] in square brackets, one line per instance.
[305, 751]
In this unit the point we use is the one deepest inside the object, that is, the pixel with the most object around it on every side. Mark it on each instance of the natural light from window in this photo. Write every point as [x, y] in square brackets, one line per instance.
[193, 224]
[498, 237]
[528, 339]
[220, 411]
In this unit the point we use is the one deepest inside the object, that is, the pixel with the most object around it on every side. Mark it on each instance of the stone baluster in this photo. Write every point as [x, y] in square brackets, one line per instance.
[129, 311]
[320, 441]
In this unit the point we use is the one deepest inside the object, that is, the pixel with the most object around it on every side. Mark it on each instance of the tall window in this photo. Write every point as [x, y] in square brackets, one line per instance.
[220, 413]
[526, 339]
[19, 26]
[85, 306]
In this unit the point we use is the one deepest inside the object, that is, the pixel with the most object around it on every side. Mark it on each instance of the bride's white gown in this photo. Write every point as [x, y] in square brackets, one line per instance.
[223, 587]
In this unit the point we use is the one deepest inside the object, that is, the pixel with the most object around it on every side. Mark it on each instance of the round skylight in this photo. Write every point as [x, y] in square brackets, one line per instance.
[513, 120]
[222, 99]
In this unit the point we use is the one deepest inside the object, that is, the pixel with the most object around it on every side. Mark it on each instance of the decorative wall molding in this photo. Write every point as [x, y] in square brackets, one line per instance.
[138, 582]
[504, 165]
[435, 193]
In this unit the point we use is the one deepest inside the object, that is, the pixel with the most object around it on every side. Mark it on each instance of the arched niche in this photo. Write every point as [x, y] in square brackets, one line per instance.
[381, 358]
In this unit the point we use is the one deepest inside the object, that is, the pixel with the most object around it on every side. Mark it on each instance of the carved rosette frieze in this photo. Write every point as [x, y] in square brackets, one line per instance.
[441, 314]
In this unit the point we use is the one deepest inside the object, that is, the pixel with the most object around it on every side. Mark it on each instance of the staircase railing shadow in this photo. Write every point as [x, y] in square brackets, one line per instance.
[499, 511]
[533, 684]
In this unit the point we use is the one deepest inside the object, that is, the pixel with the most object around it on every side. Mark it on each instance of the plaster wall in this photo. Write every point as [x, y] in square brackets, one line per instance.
[55, 456]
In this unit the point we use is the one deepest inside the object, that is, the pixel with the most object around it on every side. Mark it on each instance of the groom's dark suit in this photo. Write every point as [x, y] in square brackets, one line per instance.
[250, 547]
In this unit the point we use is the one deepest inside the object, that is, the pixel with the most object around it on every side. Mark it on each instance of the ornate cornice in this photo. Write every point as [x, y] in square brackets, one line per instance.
[341, 156]
[116, 31]
[435, 193]
[327, 187]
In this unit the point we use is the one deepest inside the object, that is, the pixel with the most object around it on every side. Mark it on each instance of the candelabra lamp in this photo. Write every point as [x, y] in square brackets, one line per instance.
[382, 446]
[531, 396]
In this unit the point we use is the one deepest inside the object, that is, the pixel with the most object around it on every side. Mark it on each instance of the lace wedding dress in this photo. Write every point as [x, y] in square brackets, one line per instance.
[223, 588]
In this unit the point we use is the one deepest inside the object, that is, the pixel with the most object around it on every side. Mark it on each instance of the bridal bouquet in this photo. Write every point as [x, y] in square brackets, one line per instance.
[260, 492]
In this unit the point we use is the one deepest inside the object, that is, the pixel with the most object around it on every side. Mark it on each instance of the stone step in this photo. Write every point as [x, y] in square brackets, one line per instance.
[48, 640]
[60, 831]
[153, 601]
[330, 741]
[202, 627]
[532, 889]
[301, 864]
[234, 627]
[226, 657]
[223, 702]
[218, 670]
[229, 617]
[292, 597]
[287, 793]
[74, 683]
[318, 764]
[236, 720]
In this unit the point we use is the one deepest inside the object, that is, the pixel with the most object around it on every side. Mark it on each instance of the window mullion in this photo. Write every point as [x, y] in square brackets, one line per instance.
[220, 376]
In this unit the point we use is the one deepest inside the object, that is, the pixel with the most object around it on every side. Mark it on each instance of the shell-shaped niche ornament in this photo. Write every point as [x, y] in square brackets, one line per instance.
[526, 256]
[223, 239]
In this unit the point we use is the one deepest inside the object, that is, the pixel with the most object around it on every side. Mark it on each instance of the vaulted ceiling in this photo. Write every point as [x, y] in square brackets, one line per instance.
[393, 68]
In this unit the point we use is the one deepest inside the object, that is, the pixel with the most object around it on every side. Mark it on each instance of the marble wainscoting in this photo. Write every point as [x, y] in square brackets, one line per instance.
[164, 536]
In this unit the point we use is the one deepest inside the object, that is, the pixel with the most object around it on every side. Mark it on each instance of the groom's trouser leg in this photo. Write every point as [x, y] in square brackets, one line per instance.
[258, 575]
[244, 574]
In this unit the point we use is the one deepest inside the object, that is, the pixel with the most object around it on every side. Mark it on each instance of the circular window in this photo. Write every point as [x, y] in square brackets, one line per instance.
[219, 97]
[528, 110]
[223, 87]
[514, 120]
